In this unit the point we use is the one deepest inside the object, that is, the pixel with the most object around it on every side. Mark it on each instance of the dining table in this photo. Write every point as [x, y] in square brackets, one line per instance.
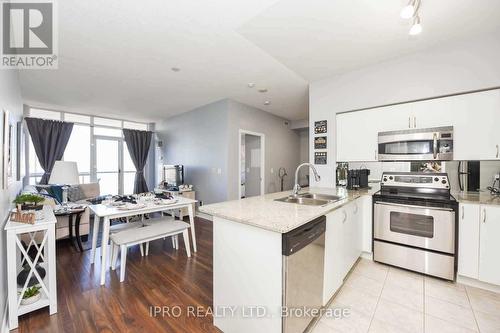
[104, 213]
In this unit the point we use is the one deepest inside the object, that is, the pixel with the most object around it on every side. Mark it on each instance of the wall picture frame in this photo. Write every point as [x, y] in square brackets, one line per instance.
[21, 151]
[320, 142]
[320, 158]
[6, 138]
[320, 127]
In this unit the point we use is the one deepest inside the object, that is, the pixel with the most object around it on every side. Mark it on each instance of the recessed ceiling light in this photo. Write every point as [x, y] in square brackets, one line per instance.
[263, 90]
[251, 85]
[175, 69]
[267, 103]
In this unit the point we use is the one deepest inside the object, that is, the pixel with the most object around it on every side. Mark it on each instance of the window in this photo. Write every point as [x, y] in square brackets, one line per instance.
[81, 150]
[136, 126]
[45, 114]
[128, 172]
[35, 170]
[78, 149]
[76, 118]
[105, 131]
[107, 122]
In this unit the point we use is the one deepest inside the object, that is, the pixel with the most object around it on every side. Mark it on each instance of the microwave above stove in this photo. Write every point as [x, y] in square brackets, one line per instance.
[417, 144]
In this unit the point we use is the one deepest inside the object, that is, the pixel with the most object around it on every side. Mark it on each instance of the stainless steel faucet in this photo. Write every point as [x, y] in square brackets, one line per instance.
[296, 187]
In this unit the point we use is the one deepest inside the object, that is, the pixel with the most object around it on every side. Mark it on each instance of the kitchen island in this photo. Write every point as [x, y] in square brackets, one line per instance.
[247, 257]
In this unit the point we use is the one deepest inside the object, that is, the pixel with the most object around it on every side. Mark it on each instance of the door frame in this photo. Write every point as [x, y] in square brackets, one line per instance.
[262, 159]
[94, 170]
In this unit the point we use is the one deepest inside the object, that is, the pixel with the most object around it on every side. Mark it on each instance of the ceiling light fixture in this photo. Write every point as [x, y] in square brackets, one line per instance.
[411, 11]
[175, 69]
[251, 85]
[267, 103]
[416, 28]
[263, 90]
[408, 10]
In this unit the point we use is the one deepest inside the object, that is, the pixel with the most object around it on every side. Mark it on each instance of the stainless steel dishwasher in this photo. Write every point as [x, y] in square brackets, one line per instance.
[303, 268]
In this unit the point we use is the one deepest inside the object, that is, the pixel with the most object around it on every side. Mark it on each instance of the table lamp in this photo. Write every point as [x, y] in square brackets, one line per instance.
[64, 173]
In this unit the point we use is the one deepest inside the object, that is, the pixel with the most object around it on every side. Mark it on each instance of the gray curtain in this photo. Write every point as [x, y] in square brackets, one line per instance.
[50, 138]
[138, 143]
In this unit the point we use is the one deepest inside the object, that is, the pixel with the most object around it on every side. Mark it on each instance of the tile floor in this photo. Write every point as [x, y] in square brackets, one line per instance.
[387, 299]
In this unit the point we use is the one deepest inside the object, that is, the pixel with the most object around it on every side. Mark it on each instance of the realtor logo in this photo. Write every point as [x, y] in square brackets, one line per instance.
[28, 34]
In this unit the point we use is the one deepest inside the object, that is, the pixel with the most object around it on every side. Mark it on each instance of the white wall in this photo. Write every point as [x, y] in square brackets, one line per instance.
[10, 99]
[449, 68]
[198, 140]
[281, 146]
[304, 155]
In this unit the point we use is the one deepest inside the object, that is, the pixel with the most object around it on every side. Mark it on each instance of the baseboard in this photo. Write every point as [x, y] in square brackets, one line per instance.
[478, 284]
[5, 318]
[367, 255]
[204, 216]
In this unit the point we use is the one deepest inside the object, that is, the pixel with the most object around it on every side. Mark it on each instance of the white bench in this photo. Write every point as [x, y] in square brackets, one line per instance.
[115, 228]
[152, 230]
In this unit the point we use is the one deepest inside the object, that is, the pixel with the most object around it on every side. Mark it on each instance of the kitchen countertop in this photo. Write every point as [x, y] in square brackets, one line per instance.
[266, 213]
[480, 198]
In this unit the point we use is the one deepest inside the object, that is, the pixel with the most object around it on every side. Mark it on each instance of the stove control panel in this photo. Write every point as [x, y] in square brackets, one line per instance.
[416, 179]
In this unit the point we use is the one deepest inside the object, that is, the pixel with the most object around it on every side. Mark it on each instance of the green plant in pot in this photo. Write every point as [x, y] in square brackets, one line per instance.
[31, 295]
[28, 201]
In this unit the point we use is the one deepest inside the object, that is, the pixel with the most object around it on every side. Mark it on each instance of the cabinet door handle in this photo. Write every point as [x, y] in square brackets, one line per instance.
[345, 216]
[376, 158]
[415, 122]
[463, 212]
[409, 122]
[497, 151]
[484, 215]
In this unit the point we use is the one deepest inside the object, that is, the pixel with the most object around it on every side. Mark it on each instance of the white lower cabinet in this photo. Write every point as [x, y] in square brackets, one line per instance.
[468, 241]
[479, 242]
[334, 257]
[367, 223]
[489, 245]
[343, 245]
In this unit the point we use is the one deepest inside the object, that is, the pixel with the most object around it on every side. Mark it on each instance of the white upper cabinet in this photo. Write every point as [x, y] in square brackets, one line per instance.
[476, 122]
[357, 136]
[475, 118]
[357, 132]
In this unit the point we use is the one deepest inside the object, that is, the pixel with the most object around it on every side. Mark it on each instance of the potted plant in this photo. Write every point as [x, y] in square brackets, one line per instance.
[28, 201]
[31, 295]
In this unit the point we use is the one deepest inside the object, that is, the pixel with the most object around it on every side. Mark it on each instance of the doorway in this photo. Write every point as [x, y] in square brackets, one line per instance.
[251, 164]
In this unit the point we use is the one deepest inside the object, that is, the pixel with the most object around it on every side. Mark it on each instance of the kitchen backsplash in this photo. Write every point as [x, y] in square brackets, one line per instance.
[488, 169]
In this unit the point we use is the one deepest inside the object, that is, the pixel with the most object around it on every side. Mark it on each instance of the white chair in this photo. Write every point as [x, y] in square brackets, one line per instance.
[155, 230]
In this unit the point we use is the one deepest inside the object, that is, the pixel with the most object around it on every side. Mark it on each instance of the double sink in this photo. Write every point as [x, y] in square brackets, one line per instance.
[311, 199]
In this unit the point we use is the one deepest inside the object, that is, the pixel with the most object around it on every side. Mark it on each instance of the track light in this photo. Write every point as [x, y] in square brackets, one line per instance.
[408, 11]
[416, 28]
[411, 10]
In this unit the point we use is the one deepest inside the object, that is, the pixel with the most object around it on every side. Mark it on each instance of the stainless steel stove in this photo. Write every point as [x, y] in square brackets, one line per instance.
[415, 223]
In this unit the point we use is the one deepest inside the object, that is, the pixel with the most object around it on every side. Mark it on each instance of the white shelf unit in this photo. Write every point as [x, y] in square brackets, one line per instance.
[42, 239]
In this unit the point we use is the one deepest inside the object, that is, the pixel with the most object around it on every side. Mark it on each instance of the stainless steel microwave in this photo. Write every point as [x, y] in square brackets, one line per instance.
[416, 144]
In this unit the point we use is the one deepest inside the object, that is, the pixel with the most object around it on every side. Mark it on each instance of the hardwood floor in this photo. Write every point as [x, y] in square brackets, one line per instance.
[166, 278]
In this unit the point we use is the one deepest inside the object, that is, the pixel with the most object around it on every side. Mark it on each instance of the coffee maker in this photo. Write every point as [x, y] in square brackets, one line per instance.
[357, 179]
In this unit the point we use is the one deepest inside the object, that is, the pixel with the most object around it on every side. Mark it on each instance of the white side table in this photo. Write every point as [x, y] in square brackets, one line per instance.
[44, 231]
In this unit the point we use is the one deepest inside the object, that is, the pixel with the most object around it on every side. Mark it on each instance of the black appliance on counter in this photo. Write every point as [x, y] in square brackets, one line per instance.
[357, 178]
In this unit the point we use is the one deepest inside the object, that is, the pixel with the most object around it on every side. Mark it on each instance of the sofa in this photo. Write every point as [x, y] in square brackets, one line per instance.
[77, 194]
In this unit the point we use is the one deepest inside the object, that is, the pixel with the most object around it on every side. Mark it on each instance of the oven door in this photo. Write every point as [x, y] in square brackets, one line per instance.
[424, 227]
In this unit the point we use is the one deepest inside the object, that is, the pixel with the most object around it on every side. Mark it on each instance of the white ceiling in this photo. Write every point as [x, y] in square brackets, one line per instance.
[321, 38]
[115, 56]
